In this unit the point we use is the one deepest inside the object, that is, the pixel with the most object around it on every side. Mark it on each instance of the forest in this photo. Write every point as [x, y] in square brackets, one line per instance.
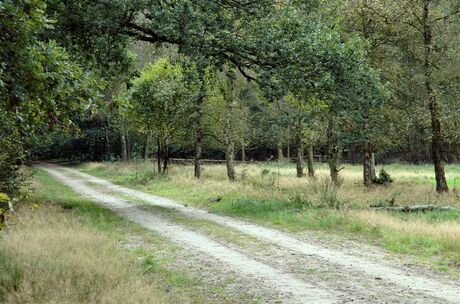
[334, 117]
[342, 81]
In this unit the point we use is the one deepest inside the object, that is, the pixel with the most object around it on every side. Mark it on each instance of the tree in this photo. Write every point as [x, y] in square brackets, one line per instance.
[412, 41]
[199, 78]
[301, 114]
[161, 102]
[41, 88]
[331, 72]
[199, 130]
[229, 142]
[235, 125]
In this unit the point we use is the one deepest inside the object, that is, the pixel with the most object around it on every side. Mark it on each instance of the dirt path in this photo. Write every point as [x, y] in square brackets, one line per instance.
[292, 290]
[345, 277]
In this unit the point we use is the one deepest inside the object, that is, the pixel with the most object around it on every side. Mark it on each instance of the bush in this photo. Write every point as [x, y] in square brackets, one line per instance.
[11, 177]
[383, 179]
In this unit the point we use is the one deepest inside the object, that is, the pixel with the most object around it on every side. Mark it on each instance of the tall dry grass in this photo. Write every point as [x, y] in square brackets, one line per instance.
[50, 257]
[270, 181]
[445, 232]
[274, 194]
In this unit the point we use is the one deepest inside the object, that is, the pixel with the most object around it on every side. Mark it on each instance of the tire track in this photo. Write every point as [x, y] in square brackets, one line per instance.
[292, 289]
[399, 278]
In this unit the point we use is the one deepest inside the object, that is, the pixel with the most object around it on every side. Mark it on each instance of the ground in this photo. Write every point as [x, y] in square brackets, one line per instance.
[271, 194]
[268, 237]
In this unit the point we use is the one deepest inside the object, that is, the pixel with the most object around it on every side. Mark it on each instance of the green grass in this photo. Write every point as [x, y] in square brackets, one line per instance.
[66, 248]
[441, 253]
[157, 263]
[432, 236]
[425, 172]
[293, 217]
[49, 190]
[161, 265]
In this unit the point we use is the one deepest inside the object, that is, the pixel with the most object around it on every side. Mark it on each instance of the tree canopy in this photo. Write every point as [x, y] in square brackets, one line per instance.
[348, 79]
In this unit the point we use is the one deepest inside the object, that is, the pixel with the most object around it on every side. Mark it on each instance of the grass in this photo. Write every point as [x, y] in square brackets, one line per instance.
[66, 249]
[271, 194]
[254, 179]
[50, 257]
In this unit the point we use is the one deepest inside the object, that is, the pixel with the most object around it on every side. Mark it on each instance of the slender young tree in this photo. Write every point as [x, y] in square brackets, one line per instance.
[299, 147]
[199, 128]
[436, 129]
[229, 98]
[310, 161]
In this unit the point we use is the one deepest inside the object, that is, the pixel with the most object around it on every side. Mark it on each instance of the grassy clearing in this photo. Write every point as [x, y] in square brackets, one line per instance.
[413, 184]
[271, 194]
[70, 250]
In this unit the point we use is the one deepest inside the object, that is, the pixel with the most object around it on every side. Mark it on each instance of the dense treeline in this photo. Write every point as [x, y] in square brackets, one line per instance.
[350, 80]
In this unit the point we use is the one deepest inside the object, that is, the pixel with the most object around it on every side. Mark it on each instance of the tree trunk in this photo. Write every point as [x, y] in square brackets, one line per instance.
[165, 156]
[229, 161]
[373, 172]
[198, 156]
[332, 150]
[107, 145]
[311, 168]
[127, 144]
[228, 136]
[458, 152]
[367, 165]
[159, 155]
[199, 126]
[334, 172]
[243, 153]
[107, 140]
[368, 157]
[436, 131]
[124, 144]
[299, 150]
[279, 148]
[288, 150]
[146, 146]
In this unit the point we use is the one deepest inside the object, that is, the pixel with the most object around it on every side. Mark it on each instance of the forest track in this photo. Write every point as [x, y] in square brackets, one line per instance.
[349, 278]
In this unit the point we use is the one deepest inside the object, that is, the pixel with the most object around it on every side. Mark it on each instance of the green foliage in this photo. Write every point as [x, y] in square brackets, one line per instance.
[4, 197]
[40, 86]
[11, 155]
[351, 65]
[161, 100]
[384, 178]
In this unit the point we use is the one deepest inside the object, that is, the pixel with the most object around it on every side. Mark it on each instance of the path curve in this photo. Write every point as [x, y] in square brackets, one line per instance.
[445, 292]
[295, 290]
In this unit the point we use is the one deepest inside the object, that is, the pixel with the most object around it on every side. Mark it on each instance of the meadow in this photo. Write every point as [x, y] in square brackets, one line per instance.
[269, 193]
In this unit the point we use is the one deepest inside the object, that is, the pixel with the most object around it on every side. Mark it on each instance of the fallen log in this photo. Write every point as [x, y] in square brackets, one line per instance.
[416, 208]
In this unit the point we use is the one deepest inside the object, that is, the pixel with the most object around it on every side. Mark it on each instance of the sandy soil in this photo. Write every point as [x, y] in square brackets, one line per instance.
[282, 267]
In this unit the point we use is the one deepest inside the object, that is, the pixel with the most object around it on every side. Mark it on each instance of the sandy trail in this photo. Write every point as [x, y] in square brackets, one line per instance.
[290, 288]
[391, 279]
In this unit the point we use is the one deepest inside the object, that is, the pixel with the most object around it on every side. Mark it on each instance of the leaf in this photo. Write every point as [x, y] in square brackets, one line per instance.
[4, 197]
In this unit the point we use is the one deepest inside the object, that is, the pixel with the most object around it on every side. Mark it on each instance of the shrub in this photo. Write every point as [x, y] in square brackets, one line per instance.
[383, 179]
